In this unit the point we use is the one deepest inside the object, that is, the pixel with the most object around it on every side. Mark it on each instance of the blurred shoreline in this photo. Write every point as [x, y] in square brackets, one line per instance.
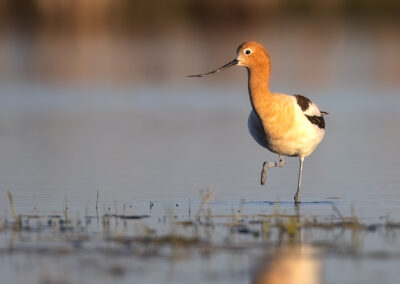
[312, 43]
[302, 55]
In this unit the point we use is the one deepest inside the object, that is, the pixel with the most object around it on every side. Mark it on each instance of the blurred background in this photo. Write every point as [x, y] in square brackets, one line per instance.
[147, 42]
[94, 96]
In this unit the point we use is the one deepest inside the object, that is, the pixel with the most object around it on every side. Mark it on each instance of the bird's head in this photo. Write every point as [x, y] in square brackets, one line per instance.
[251, 54]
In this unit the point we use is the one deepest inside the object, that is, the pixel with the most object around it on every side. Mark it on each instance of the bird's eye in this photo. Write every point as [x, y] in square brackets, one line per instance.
[247, 51]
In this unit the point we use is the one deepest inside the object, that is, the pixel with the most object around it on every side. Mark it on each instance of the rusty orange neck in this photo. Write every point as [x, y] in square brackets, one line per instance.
[259, 85]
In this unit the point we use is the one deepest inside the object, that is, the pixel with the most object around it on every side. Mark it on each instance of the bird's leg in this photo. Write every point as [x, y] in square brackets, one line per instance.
[268, 165]
[297, 195]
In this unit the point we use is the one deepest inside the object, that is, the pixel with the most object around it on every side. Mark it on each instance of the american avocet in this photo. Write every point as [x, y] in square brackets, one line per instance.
[286, 125]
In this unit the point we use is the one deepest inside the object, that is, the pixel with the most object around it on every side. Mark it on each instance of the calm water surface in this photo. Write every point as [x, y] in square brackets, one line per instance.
[165, 143]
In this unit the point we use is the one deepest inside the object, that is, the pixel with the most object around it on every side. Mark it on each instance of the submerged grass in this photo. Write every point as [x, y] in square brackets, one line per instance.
[177, 228]
[17, 218]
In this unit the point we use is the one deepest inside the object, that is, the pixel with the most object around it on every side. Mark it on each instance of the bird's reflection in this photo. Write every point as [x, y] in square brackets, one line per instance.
[290, 263]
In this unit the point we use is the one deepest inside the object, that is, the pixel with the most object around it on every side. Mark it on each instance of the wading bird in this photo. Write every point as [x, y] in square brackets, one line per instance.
[284, 124]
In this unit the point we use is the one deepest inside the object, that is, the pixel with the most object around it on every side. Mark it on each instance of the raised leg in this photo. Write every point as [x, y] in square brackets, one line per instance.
[297, 195]
[268, 165]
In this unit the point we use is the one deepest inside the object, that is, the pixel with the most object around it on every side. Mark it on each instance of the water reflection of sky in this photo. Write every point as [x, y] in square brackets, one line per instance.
[168, 142]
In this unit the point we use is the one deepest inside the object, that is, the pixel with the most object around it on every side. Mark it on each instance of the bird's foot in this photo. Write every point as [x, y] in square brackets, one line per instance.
[264, 173]
[267, 165]
[297, 198]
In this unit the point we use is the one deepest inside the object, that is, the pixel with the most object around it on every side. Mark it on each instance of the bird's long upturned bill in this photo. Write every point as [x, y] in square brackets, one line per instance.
[230, 64]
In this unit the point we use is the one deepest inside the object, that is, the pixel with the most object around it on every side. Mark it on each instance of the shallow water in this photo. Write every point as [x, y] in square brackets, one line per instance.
[164, 144]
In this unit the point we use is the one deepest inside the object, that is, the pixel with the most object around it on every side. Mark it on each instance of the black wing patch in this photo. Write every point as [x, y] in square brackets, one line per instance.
[317, 120]
[303, 102]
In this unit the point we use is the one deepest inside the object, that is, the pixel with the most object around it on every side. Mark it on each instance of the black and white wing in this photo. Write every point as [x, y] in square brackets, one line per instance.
[311, 111]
